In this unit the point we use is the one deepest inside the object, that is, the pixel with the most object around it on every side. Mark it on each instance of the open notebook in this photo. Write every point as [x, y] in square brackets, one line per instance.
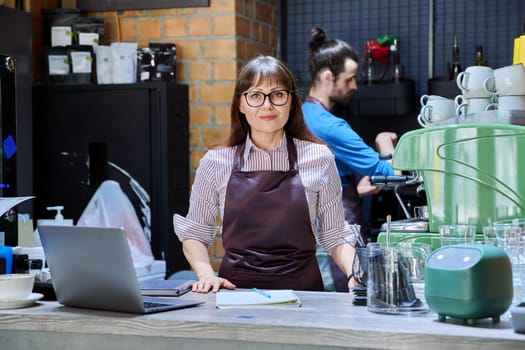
[91, 267]
[256, 298]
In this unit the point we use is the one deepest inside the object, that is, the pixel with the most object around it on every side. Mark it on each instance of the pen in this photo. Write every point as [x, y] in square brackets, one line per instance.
[263, 293]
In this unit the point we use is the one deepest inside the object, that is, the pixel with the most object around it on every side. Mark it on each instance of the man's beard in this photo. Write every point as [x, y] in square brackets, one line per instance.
[341, 100]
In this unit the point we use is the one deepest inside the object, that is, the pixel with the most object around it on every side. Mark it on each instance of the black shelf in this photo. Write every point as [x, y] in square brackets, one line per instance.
[384, 99]
[443, 87]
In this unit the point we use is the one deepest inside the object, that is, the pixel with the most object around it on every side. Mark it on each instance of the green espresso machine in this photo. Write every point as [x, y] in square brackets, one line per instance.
[473, 172]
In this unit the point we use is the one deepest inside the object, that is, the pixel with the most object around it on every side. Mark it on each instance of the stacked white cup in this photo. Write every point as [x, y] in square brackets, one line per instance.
[477, 87]
[509, 86]
[435, 109]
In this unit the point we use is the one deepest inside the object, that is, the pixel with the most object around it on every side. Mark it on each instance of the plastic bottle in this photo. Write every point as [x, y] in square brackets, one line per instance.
[397, 68]
[59, 218]
[57, 221]
[370, 62]
[479, 59]
[456, 65]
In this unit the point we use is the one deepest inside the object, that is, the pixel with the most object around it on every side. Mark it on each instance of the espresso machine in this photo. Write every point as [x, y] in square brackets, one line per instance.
[472, 171]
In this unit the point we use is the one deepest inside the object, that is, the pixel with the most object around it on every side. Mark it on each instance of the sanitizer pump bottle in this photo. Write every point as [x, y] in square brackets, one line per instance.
[57, 221]
[59, 218]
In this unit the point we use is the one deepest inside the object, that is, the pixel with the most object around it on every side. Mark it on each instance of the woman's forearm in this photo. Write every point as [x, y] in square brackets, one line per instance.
[344, 255]
[197, 255]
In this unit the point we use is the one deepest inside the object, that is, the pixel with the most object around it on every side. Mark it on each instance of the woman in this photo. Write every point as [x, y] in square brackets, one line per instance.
[272, 183]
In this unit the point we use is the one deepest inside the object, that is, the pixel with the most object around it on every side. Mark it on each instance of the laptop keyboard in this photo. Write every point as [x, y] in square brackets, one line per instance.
[152, 305]
[159, 305]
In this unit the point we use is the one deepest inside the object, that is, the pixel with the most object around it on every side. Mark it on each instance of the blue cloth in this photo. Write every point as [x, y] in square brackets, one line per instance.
[324, 267]
[352, 154]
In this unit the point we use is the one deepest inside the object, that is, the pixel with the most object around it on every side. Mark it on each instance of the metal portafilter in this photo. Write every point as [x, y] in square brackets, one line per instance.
[389, 181]
[408, 178]
[398, 181]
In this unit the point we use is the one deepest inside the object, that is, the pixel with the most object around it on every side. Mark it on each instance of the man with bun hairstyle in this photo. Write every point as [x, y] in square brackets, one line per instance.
[333, 67]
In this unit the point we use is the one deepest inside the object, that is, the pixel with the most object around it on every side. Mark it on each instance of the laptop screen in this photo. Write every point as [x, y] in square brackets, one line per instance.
[92, 267]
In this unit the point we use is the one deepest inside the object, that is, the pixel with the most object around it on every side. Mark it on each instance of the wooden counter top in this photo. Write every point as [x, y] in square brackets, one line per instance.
[325, 320]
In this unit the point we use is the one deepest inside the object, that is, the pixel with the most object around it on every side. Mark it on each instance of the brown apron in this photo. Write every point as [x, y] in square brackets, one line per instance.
[267, 234]
[352, 205]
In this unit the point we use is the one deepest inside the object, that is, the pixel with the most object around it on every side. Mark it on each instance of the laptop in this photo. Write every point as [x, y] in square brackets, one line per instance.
[91, 267]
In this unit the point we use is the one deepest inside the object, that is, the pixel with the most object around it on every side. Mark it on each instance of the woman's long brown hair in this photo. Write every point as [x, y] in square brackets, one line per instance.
[267, 68]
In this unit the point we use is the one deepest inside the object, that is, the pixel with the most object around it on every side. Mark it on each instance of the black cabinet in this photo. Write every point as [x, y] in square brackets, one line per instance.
[382, 106]
[15, 106]
[136, 134]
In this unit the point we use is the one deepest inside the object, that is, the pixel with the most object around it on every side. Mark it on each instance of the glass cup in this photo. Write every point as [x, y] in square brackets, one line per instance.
[516, 253]
[416, 254]
[457, 234]
[510, 235]
[506, 234]
[520, 222]
[489, 235]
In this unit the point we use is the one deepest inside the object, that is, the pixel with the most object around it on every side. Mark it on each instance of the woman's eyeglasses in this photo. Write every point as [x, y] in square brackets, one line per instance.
[257, 98]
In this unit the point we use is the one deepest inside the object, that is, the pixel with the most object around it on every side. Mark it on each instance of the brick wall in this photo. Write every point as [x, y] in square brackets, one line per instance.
[212, 42]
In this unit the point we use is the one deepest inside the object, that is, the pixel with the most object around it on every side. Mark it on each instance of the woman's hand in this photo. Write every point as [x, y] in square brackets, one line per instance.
[205, 283]
[352, 282]
[197, 254]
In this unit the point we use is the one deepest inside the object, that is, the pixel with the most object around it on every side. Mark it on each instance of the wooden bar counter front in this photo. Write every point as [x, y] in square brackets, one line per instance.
[324, 321]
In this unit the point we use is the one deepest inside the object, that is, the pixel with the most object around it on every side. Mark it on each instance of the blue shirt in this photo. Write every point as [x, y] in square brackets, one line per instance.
[352, 155]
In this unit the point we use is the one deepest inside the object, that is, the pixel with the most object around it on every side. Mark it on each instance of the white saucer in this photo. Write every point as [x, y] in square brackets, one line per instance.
[18, 303]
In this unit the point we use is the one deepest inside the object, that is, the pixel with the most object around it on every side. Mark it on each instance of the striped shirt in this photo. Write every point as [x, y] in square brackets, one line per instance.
[318, 174]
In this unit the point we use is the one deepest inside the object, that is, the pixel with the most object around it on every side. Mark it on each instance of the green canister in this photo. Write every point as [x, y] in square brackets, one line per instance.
[469, 282]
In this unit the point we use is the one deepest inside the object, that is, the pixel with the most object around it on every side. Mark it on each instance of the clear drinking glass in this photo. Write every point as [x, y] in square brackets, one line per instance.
[489, 235]
[510, 235]
[457, 234]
